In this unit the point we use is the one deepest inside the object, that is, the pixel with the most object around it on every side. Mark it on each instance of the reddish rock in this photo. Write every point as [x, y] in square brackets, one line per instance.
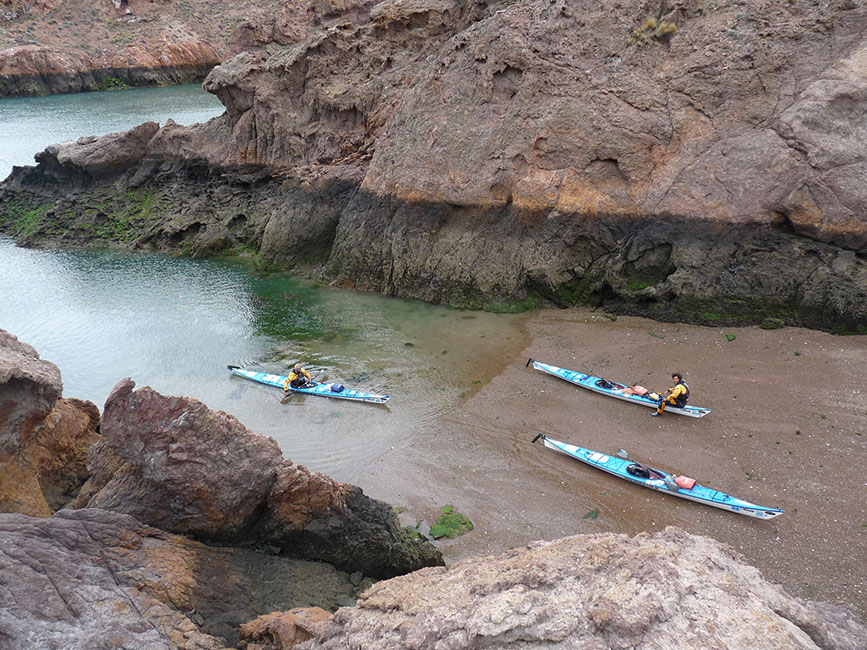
[283, 630]
[185, 468]
[58, 452]
[175, 464]
[44, 440]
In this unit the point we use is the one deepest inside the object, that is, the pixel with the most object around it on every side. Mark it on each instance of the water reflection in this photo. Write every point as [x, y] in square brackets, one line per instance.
[32, 123]
[175, 324]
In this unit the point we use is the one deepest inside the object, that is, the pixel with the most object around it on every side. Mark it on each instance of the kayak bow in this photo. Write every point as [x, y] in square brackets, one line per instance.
[678, 486]
[333, 390]
[613, 389]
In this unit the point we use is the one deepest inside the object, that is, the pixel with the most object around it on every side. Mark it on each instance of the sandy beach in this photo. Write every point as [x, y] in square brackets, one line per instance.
[788, 429]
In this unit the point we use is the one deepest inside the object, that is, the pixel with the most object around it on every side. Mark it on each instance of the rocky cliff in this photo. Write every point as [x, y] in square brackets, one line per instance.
[66, 46]
[679, 160]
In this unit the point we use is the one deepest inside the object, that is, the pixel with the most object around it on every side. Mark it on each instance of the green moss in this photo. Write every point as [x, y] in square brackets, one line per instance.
[112, 83]
[450, 524]
[20, 220]
[771, 323]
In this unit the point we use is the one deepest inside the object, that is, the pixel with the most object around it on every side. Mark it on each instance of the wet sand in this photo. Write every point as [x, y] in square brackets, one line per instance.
[788, 429]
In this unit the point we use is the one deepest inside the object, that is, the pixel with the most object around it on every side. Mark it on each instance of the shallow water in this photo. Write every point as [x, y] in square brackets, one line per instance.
[175, 324]
[29, 124]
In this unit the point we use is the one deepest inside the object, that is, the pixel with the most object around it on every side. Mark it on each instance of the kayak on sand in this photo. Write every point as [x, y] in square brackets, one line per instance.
[655, 479]
[333, 390]
[635, 394]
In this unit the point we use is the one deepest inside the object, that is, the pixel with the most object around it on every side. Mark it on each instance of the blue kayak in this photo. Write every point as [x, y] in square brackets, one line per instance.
[333, 390]
[619, 391]
[655, 479]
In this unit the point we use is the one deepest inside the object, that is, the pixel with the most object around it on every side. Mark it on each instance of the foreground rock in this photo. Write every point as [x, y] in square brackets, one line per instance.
[44, 440]
[85, 578]
[668, 590]
[473, 154]
[173, 463]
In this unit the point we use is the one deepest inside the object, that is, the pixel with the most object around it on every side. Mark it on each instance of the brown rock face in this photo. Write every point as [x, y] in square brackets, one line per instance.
[667, 590]
[495, 155]
[29, 388]
[44, 440]
[185, 468]
[283, 630]
[173, 463]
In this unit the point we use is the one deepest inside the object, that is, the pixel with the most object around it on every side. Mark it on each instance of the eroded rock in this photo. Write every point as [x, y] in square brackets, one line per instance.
[174, 463]
[667, 590]
[44, 439]
[85, 578]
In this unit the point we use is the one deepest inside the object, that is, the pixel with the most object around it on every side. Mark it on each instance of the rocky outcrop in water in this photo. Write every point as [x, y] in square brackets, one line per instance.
[668, 590]
[674, 160]
[173, 463]
[44, 439]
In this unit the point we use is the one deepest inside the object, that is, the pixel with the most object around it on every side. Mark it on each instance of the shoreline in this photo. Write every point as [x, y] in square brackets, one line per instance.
[788, 429]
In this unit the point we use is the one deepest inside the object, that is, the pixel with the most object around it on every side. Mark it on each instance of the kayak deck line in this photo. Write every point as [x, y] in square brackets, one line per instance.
[614, 389]
[331, 389]
[655, 479]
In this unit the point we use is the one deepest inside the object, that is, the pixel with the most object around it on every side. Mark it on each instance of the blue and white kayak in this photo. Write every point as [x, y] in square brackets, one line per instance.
[613, 389]
[333, 390]
[655, 479]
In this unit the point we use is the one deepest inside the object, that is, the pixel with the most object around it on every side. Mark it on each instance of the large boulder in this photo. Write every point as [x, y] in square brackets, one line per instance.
[44, 440]
[29, 388]
[86, 579]
[667, 590]
[173, 463]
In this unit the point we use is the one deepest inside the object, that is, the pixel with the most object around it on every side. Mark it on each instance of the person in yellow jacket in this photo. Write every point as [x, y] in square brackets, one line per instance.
[677, 395]
[296, 379]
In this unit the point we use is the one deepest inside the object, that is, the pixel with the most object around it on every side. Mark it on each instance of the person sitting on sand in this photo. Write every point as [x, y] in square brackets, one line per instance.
[298, 378]
[677, 395]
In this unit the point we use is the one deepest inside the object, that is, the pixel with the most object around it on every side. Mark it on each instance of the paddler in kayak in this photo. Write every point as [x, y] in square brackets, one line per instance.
[677, 395]
[298, 378]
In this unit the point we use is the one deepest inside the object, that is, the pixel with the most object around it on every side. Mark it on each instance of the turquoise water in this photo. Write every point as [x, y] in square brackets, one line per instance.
[29, 124]
[175, 324]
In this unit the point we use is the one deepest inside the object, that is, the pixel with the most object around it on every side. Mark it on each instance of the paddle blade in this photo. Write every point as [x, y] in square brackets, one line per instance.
[622, 453]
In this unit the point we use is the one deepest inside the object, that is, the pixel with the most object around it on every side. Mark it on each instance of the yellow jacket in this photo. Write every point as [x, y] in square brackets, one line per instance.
[293, 376]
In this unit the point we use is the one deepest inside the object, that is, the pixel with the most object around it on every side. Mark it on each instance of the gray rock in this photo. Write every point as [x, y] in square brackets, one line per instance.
[95, 579]
[596, 592]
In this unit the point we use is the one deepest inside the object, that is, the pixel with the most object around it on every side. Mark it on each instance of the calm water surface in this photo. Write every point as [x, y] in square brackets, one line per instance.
[175, 324]
[29, 124]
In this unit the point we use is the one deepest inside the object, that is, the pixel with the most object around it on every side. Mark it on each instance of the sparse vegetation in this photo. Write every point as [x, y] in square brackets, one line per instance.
[652, 31]
[450, 524]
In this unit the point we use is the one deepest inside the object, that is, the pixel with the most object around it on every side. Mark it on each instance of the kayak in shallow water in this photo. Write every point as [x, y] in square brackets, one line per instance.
[635, 394]
[655, 479]
[333, 390]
